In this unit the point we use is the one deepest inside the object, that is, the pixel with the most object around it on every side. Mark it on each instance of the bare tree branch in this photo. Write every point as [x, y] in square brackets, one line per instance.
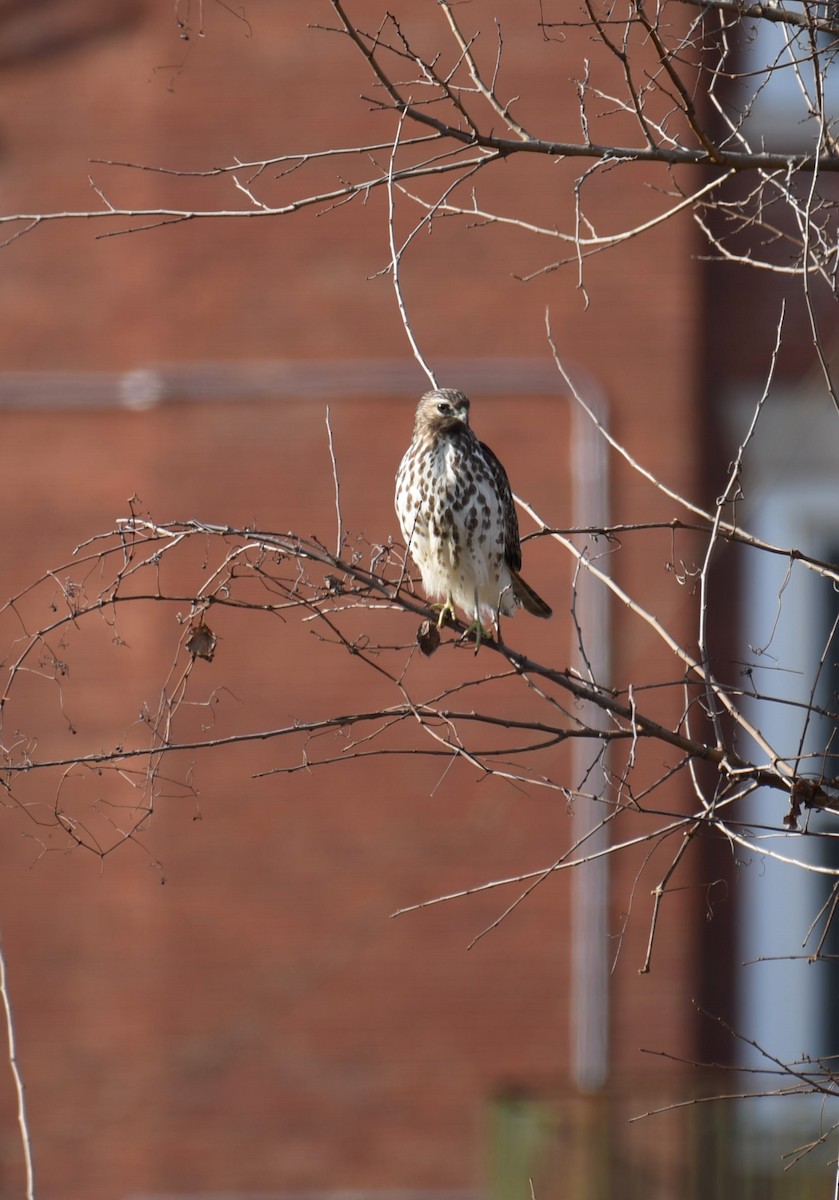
[23, 1121]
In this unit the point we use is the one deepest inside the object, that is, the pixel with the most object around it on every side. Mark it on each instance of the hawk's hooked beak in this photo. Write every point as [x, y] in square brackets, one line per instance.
[462, 413]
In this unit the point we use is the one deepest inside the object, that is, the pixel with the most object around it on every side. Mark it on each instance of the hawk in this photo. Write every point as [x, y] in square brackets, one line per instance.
[458, 518]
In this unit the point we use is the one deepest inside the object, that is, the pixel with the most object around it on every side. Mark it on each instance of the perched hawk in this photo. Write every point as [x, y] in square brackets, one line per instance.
[457, 515]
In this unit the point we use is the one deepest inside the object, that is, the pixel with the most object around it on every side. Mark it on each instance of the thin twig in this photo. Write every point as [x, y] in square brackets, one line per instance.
[659, 892]
[396, 255]
[26, 1141]
[728, 495]
[339, 545]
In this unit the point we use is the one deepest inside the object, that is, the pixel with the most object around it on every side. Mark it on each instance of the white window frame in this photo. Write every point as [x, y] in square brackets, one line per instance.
[792, 500]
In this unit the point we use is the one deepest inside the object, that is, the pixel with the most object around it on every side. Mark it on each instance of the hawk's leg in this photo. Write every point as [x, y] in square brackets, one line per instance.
[480, 633]
[498, 627]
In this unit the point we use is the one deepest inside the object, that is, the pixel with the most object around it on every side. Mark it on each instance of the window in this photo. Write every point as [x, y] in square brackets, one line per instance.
[787, 1004]
[777, 87]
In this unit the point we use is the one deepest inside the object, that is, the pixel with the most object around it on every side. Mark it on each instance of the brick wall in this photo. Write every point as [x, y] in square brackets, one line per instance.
[259, 1022]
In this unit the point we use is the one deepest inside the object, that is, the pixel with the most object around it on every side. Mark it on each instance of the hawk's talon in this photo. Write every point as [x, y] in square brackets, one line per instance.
[479, 632]
[447, 613]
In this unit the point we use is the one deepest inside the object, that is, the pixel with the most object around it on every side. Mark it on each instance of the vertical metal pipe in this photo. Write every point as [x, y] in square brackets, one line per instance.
[589, 1007]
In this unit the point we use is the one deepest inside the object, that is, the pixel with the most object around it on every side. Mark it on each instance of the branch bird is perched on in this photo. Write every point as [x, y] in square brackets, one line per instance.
[457, 515]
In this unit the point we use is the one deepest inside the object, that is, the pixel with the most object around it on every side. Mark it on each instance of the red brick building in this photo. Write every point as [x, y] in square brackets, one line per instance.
[260, 1025]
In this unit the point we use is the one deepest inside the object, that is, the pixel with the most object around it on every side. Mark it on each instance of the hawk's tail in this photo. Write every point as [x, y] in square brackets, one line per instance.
[527, 598]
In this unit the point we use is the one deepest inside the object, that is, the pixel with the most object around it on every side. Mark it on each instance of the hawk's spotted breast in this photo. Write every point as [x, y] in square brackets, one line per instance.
[457, 514]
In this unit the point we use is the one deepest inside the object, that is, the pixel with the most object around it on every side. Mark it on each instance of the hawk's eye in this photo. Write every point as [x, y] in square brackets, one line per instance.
[444, 409]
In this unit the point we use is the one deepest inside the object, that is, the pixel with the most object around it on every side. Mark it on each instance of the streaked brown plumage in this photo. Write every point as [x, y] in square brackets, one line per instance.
[457, 514]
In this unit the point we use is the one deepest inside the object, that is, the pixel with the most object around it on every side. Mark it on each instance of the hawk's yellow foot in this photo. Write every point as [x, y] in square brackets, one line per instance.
[447, 613]
[479, 632]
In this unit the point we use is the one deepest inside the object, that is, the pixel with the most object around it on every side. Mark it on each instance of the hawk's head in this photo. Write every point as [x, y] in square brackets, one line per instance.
[442, 410]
